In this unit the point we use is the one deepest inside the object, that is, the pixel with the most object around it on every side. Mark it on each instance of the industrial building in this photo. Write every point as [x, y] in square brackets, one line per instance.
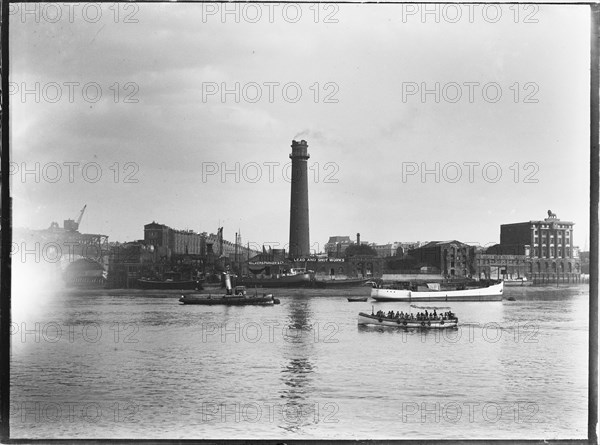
[547, 246]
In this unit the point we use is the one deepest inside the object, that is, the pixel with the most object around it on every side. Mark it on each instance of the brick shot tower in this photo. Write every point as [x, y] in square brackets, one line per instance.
[299, 229]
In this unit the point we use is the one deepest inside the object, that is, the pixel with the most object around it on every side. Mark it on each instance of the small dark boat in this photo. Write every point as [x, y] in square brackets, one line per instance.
[229, 300]
[354, 299]
[233, 297]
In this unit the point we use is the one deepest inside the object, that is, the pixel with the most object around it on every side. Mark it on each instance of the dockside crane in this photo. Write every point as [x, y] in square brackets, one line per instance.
[80, 216]
[71, 225]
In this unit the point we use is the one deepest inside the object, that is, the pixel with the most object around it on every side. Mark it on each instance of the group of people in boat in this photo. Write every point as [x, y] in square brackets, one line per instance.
[419, 316]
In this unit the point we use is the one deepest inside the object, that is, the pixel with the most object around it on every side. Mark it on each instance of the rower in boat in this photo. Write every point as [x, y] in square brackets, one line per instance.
[409, 320]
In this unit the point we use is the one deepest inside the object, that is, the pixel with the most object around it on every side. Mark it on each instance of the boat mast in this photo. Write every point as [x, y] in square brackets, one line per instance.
[235, 254]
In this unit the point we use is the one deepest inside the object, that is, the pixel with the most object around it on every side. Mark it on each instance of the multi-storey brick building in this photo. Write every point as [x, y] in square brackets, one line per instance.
[385, 250]
[451, 258]
[492, 265]
[179, 242]
[337, 245]
[548, 246]
[187, 242]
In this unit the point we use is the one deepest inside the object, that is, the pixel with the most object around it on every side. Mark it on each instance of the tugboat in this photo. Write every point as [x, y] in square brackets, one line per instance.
[233, 297]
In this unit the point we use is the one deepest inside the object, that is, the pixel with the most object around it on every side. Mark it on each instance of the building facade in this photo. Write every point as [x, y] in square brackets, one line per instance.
[128, 262]
[360, 266]
[178, 242]
[337, 245]
[548, 246]
[452, 259]
[495, 266]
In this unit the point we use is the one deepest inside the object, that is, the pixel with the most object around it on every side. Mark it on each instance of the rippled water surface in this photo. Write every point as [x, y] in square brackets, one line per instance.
[133, 365]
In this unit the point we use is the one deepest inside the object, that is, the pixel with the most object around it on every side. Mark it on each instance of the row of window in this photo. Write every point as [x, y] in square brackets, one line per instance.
[547, 267]
[558, 234]
[495, 261]
[545, 252]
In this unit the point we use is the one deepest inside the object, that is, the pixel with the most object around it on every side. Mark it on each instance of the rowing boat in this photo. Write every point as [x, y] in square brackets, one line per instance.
[438, 323]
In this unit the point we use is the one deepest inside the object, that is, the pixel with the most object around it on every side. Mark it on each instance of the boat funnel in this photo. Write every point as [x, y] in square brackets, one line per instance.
[228, 284]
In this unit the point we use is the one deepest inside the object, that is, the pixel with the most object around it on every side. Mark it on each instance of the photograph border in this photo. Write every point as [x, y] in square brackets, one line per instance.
[6, 231]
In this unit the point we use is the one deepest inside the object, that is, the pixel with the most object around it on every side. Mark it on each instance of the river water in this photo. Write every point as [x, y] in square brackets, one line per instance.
[140, 365]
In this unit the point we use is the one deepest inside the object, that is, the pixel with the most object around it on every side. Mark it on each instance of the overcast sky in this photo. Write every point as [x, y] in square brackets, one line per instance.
[161, 120]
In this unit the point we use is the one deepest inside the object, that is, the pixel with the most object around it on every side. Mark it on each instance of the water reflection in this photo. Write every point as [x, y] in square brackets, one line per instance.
[344, 383]
[298, 368]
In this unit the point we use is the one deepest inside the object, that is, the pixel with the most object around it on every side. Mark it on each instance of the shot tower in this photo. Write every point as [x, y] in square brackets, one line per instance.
[299, 230]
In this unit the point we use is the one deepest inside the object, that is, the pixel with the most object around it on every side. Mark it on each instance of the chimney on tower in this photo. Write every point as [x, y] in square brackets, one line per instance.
[299, 228]
[358, 239]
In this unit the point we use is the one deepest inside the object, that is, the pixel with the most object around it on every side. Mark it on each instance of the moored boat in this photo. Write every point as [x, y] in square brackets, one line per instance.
[295, 278]
[346, 282]
[489, 293]
[169, 284]
[355, 299]
[430, 323]
[522, 281]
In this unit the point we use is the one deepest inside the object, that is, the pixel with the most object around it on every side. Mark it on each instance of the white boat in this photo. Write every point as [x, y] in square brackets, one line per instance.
[438, 323]
[490, 293]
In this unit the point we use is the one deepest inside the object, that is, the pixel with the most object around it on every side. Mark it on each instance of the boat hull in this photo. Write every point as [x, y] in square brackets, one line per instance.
[185, 285]
[320, 284]
[229, 301]
[512, 283]
[299, 280]
[491, 293]
[374, 320]
[357, 299]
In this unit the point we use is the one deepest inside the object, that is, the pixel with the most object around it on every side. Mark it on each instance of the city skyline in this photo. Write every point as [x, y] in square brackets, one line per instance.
[204, 158]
